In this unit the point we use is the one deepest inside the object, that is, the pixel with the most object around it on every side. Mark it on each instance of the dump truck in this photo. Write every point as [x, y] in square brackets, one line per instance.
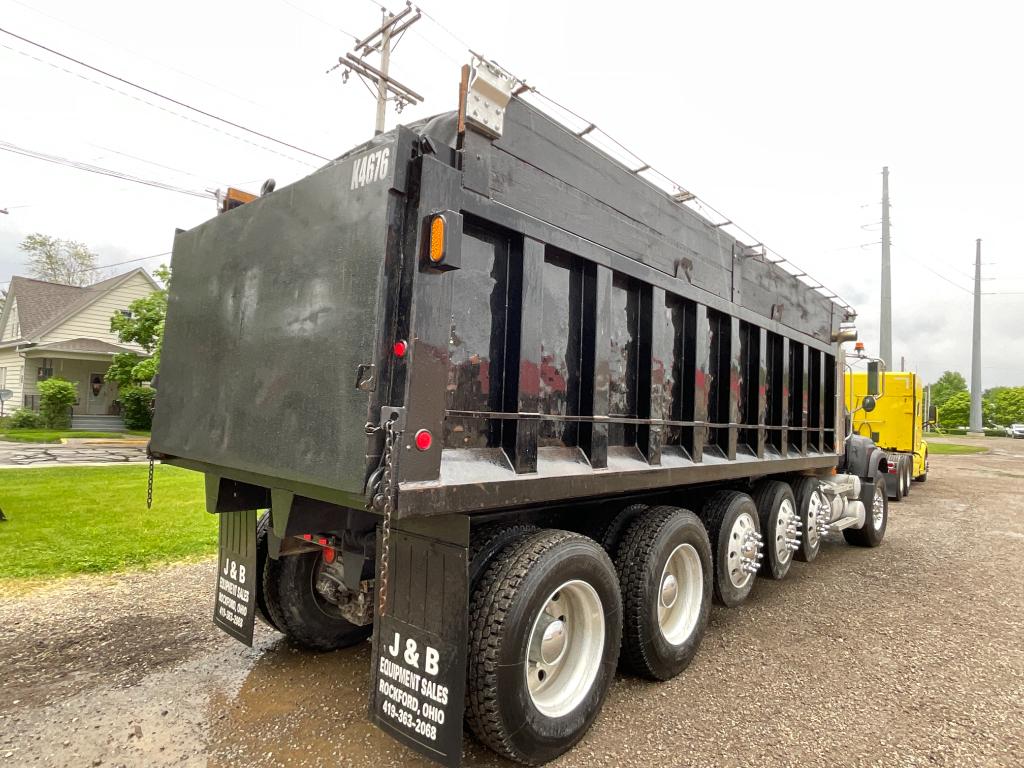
[895, 423]
[482, 394]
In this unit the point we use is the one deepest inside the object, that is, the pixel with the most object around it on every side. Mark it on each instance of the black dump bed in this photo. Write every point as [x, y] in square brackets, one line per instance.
[272, 308]
[596, 337]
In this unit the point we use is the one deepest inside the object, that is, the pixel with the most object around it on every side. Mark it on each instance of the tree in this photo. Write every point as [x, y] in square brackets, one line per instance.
[1006, 405]
[144, 327]
[956, 411]
[948, 385]
[59, 261]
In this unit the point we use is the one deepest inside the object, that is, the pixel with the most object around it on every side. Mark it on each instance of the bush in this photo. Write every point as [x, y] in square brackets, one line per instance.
[138, 407]
[25, 419]
[56, 396]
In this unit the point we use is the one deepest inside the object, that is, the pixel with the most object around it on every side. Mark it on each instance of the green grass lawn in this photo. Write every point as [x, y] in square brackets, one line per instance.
[55, 435]
[69, 520]
[953, 449]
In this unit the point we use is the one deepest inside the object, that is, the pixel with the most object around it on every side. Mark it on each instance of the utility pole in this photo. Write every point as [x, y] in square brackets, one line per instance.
[976, 426]
[885, 331]
[382, 40]
[385, 65]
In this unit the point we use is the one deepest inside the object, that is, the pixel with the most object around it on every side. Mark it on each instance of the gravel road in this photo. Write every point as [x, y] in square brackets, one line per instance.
[911, 654]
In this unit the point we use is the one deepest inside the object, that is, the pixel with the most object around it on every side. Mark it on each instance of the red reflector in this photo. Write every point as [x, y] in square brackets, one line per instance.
[307, 536]
[424, 439]
[400, 348]
[328, 555]
[892, 466]
[322, 542]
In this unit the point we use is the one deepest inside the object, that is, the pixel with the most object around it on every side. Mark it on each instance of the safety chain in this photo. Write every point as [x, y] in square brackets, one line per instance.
[149, 488]
[384, 499]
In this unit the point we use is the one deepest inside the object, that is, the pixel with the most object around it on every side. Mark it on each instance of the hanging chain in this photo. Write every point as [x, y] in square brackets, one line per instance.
[384, 497]
[149, 488]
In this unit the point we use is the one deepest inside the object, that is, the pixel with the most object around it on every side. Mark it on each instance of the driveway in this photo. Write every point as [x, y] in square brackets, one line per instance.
[905, 655]
[74, 451]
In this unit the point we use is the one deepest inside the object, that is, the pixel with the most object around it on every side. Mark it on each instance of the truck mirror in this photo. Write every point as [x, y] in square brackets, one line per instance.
[868, 403]
[873, 388]
[933, 414]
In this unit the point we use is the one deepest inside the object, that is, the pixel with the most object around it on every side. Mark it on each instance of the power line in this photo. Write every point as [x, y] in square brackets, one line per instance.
[939, 274]
[323, 21]
[141, 55]
[162, 96]
[58, 160]
[155, 106]
[455, 37]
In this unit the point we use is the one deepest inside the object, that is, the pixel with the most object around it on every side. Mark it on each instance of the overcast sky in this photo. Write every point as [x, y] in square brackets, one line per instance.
[779, 114]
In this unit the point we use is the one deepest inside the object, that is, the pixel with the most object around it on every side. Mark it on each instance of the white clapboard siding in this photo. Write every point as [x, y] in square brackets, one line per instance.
[93, 322]
[12, 328]
[12, 375]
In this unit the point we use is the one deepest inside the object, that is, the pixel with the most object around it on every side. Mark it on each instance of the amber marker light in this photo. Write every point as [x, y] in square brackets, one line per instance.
[437, 226]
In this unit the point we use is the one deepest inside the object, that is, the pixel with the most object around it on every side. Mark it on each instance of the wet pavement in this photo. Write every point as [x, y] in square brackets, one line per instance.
[908, 655]
[74, 451]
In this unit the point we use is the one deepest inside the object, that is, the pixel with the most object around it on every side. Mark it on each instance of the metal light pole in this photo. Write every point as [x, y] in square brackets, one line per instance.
[976, 427]
[885, 331]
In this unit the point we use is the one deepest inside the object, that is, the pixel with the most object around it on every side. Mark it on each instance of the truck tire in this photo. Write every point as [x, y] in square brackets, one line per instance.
[807, 492]
[545, 623]
[780, 526]
[734, 530]
[609, 532]
[488, 540]
[665, 575]
[262, 556]
[876, 518]
[908, 468]
[300, 612]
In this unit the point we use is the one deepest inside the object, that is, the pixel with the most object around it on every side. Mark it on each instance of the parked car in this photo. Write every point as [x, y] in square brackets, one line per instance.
[1015, 430]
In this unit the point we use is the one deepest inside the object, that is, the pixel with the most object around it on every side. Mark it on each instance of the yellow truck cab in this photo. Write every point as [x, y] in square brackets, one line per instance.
[896, 424]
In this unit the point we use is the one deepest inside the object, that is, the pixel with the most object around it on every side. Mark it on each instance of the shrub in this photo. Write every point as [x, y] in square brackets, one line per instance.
[56, 396]
[25, 419]
[138, 407]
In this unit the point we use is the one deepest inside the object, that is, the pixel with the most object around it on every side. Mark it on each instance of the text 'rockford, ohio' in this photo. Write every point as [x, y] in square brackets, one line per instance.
[412, 699]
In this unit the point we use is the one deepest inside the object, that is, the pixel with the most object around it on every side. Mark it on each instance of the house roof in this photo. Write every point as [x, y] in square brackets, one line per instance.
[39, 302]
[43, 305]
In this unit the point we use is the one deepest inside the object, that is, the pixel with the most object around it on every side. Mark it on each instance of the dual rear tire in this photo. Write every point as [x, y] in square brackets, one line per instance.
[550, 612]
[544, 632]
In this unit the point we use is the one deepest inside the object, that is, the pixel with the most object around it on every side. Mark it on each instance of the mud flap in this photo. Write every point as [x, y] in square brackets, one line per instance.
[418, 674]
[234, 609]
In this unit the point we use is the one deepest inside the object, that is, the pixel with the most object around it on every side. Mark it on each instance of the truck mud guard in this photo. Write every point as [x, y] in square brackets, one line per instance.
[418, 667]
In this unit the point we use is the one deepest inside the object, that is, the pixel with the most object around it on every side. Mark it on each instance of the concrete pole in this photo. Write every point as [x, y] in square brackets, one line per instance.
[885, 332]
[976, 425]
[382, 85]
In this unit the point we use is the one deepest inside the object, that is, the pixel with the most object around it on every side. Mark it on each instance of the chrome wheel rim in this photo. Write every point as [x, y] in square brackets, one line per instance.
[811, 533]
[878, 509]
[565, 649]
[680, 594]
[743, 547]
[783, 520]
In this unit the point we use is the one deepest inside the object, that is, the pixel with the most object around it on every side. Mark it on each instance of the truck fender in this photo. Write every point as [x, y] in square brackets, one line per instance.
[864, 458]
